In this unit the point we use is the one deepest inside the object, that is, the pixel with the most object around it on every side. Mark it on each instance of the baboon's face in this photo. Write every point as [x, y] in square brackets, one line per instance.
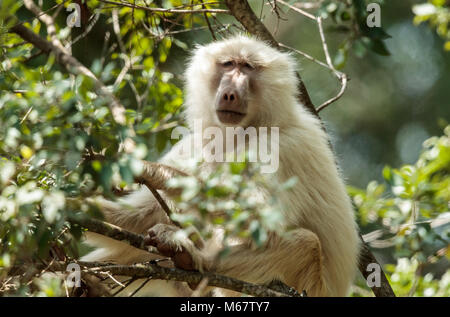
[234, 79]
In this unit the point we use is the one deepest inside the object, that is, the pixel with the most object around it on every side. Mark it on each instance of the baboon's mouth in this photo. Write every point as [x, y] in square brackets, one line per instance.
[230, 116]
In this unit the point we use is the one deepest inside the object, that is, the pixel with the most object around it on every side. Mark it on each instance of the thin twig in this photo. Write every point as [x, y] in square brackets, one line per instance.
[44, 12]
[113, 279]
[343, 78]
[344, 81]
[163, 205]
[324, 44]
[303, 12]
[163, 10]
[306, 55]
[205, 14]
[47, 20]
[113, 232]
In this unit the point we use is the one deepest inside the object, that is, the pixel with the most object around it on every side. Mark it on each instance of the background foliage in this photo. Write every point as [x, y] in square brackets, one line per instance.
[396, 100]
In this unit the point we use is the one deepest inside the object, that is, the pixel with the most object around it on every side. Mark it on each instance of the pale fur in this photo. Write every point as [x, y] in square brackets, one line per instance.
[320, 252]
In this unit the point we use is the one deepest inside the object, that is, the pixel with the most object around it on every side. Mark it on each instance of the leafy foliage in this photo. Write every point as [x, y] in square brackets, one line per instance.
[411, 213]
[230, 197]
[50, 120]
[437, 14]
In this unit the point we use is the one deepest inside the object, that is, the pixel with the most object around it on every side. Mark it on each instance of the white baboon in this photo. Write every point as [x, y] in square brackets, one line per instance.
[242, 81]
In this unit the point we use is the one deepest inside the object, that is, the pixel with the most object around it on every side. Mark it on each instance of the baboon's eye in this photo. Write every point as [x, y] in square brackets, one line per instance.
[248, 66]
[227, 64]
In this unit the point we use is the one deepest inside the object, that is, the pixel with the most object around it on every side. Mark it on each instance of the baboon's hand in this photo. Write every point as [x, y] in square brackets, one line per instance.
[180, 248]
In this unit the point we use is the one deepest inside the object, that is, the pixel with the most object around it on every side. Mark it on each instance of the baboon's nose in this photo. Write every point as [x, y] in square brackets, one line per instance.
[230, 109]
[229, 99]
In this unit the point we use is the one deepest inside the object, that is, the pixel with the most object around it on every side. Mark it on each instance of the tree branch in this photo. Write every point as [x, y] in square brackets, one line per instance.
[341, 76]
[113, 232]
[47, 19]
[154, 271]
[163, 10]
[366, 258]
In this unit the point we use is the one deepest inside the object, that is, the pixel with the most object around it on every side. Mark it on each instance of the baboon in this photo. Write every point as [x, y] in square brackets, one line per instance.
[243, 82]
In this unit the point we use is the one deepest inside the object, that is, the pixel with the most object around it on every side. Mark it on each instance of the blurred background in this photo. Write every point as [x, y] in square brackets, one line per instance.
[392, 104]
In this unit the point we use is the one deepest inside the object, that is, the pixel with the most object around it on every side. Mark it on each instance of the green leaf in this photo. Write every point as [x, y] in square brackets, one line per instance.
[377, 46]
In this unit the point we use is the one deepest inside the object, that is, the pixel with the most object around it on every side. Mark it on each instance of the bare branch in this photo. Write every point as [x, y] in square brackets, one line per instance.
[244, 14]
[343, 78]
[113, 232]
[344, 81]
[163, 10]
[157, 272]
[366, 258]
[207, 21]
[155, 176]
[306, 55]
[303, 12]
[154, 271]
[324, 44]
[47, 20]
